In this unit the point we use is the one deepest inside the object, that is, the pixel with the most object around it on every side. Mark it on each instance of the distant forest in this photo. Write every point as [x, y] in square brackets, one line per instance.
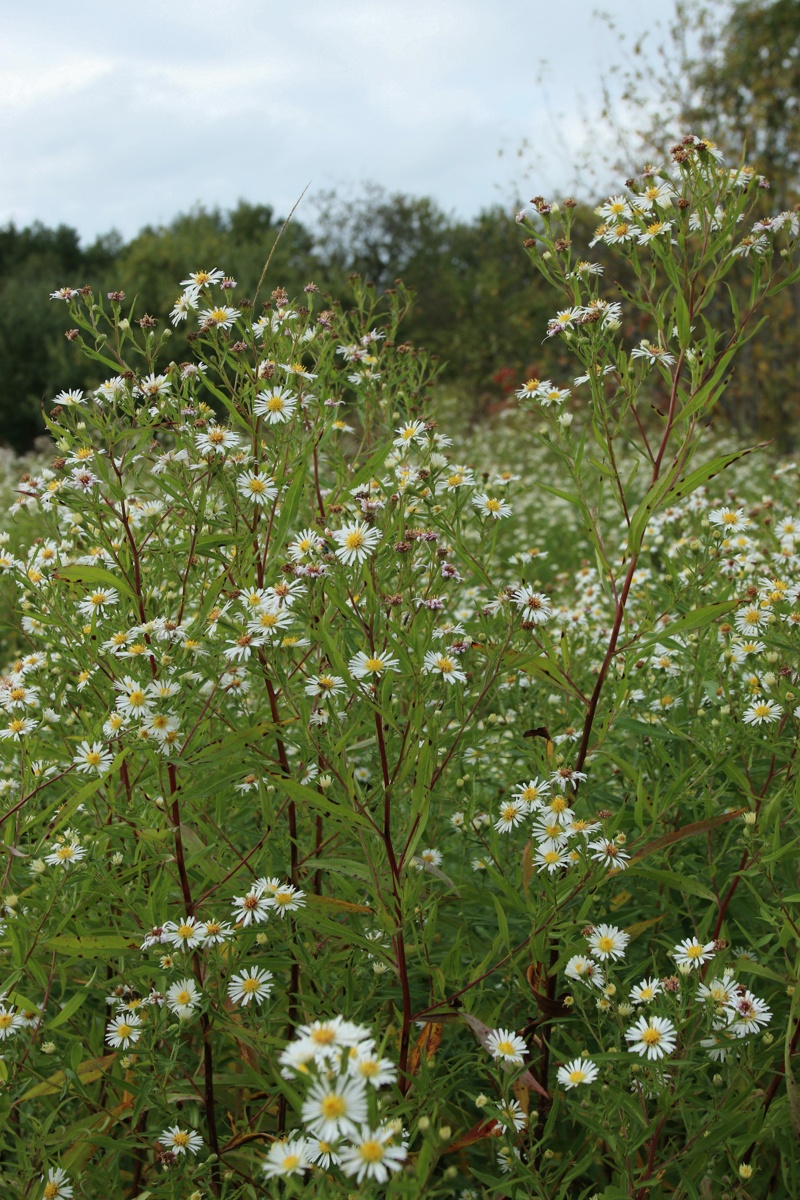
[479, 306]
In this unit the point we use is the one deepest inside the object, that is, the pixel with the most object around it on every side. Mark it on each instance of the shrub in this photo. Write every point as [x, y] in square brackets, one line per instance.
[352, 843]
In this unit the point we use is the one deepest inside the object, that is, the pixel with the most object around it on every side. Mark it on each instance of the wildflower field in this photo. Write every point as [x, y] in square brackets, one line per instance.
[390, 809]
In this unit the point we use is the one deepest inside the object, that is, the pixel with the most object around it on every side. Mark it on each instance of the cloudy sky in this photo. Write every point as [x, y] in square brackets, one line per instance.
[116, 116]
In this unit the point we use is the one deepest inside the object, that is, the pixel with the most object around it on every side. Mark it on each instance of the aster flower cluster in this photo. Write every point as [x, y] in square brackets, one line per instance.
[341, 1070]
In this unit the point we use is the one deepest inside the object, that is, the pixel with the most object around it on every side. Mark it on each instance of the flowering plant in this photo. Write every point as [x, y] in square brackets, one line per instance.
[332, 810]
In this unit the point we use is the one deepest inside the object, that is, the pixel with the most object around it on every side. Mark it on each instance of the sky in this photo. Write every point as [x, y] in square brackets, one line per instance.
[114, 116]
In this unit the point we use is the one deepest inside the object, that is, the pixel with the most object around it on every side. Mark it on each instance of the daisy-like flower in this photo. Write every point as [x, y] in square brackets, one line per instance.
[607, 942]
[123, 1031]
[69, 399]
[276, 404]
[510, 1113]
[750, 620]
[92, 757]
[284, 899]
[181, 1141]
[533, 791]
[323, 1154]
[185, 934]
[362, 664]
[749, 1014]
[652, 1037]
[653, 353]
[412, 431]
[325, 685]
[65, 854]
[374, 1154]
[367, 1065]
[609, 853]
[203, 279]
[250, 909]
[691, 953]
[183, 998]
[534, 605]
[254, 984]
[18, 728]
[491, 506]
[221, 317]
[56, 1185]
[307, 542]
[324, 1039]
[134, 700]
[333, 1109]
[722, 992]
[507, 1046]
[216, 440]
[298, 370]
[512, 813]
[435, 663]
[215, 932]
[551, 858]
[580, 1070]
[355, 542]
[431, 856]
[98, 602]
[565, 777]
[10, 1022]
[762, 712]
[258, 488]
[646, 991]
[584, 970]
[728, 520]
[289, 1157]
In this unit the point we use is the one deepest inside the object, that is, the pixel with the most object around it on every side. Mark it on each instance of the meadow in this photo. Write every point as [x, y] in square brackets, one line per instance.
[394, 807]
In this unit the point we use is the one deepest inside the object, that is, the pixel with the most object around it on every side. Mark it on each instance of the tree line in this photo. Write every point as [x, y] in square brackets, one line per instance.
[478, 307]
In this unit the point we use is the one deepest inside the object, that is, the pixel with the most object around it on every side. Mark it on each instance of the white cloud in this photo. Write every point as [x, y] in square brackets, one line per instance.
[121, 115]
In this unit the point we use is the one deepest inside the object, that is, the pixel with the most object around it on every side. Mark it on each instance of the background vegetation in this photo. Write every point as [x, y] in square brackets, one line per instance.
[730, 71]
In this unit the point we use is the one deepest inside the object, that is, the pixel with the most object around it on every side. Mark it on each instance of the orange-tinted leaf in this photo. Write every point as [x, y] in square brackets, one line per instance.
[687, 831]
[482, 1130]
[427, 1043]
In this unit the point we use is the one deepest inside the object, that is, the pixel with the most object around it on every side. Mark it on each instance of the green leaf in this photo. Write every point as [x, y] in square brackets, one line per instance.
[69, 1009]
[98, 575]
[686, 885]
[99, 945]
[698, 618]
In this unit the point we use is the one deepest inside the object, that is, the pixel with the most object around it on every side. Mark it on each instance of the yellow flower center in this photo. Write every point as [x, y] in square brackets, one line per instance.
[694, 951]
[183, 997]
[374, 664]
[185, 931]
[275, 404]
[445, 665]
[354, 540]
[324, 1036]
[333, 1107]
[506, 1047]
[291, 1162]
[93, 758]
[371, 1151]
[181, 1138]
[65, 852]
[577, 1076]
[605, 944]
[257, 486]
[124, 1030]
[651, 1036]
